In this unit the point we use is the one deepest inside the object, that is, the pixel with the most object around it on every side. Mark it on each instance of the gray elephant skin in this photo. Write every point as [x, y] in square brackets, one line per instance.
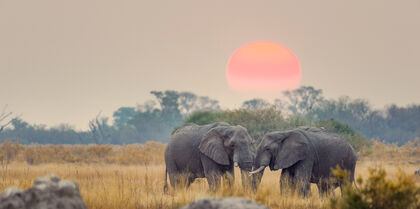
[305, 155]
[208, 151]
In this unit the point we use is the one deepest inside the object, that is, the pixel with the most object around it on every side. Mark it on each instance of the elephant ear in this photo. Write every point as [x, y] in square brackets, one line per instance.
[292, 149]
[212, 145]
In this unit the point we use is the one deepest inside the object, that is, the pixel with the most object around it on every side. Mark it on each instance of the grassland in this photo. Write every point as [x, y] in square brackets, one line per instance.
[106, 185]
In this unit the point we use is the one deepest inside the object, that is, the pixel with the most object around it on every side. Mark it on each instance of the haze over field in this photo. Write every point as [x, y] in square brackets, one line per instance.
[66, 61]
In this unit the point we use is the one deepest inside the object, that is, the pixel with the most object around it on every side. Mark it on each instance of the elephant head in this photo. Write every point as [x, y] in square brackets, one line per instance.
[279, 150]
[228, 144]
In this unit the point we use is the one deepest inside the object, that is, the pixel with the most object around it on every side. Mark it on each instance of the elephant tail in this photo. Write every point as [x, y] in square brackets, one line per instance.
[165, 187]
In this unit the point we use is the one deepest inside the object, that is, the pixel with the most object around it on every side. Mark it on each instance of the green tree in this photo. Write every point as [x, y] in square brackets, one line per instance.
[189, 103]
[255, 104]
[123, 115]
[205, 117]
[304, 99]
[168, 101]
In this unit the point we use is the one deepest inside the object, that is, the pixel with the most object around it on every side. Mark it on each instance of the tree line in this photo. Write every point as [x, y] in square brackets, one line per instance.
[152, 120]
[155, 120]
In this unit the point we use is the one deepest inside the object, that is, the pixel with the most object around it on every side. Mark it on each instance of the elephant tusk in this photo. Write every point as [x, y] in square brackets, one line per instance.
[235, 164]
[257, 171]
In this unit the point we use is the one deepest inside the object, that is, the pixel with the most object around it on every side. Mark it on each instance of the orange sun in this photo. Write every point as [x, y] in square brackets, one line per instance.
[263, 66]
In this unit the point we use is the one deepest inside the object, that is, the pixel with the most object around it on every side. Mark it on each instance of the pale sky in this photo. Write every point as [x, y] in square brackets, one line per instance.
[64, 61]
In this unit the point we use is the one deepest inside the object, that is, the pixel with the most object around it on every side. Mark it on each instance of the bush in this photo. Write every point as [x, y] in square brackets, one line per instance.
[264, 120]
[257, 121]
[356, 139]
[203, 118]
[9, 151]
[378, 192]
[260, 121]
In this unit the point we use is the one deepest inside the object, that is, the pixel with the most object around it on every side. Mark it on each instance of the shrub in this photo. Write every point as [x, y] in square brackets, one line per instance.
[204, 117]
[356, 139]
[378, 192]
[9, 151]
[257, 121]
[264, 120]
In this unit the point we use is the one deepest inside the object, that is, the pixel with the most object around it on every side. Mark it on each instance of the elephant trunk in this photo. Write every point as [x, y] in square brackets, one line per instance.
[243, 159]
[235, 158]
[262, 160]
[247, 181]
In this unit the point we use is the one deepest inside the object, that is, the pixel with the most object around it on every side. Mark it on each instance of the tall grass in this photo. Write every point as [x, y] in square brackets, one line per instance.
[132, 176]
[128, 186]
[151, 153]
[134, 154]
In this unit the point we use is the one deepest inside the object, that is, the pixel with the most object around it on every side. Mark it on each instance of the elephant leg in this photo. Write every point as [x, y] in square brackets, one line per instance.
[327, 187]
[303, 186]
[172, 180]
[214, 181]
[213, 172]
[229, 177]
[173, 172]
[179, 179]
[246, 180]
[343, 184]
[286, 181]
[322, 188]
[175, 179]
[303, 172]
[190, 180]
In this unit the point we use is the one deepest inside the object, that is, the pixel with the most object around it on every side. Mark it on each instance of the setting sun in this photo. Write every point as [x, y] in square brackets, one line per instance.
[263, 66]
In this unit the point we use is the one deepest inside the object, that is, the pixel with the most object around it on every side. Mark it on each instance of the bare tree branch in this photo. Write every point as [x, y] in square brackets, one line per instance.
[3, 116]
[97, 127]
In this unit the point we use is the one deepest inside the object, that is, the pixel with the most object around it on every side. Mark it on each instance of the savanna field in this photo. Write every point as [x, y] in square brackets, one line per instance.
[132, 176]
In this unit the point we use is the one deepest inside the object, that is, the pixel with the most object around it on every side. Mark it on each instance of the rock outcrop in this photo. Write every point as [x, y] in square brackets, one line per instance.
[48, 192]
[224, 203]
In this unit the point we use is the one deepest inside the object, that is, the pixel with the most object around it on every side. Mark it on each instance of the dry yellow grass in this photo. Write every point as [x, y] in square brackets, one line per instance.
[132, 176]
[118, 186]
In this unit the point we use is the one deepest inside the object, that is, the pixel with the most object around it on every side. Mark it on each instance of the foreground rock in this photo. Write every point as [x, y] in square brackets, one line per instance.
[224, 203]
[48, 192]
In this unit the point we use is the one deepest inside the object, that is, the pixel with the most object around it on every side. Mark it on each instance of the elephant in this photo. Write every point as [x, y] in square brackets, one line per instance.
[305, 155]
[209, 151]
[417, 172]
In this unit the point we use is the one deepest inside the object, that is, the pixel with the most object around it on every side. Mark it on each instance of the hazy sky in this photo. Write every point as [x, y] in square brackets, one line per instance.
[64, 61]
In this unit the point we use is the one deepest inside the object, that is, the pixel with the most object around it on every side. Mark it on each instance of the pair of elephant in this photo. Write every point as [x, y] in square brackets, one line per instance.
[305, 155]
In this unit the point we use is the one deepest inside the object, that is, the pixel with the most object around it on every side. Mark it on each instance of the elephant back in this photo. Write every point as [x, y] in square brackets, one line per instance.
[186, 127]
[321, 132]
[191, 134]
[330, 150]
